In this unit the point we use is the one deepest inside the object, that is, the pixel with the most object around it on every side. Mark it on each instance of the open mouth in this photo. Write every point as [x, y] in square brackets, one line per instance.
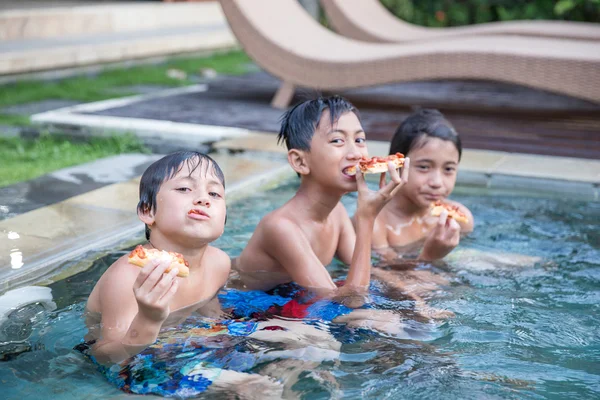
[350, 171]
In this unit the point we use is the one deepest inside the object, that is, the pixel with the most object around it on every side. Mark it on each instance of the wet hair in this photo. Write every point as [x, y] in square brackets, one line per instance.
[413, 132]
[299, 123]
[166, 168]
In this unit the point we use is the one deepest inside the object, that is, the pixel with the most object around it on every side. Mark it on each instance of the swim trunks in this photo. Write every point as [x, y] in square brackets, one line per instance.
[185, 360]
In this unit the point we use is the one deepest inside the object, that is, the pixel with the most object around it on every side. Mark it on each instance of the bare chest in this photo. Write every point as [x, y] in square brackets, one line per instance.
[401, 232]
[323, 240]
[191, 295]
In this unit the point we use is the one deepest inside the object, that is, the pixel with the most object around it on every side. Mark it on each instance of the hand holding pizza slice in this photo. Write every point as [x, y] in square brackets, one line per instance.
[453, 211]
[377, 165]
[140, 256]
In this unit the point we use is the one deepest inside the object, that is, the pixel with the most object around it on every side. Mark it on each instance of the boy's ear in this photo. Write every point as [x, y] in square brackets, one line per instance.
[146, 215]
[298, 161]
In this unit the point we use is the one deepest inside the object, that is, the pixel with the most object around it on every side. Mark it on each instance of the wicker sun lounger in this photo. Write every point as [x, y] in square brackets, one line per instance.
[370, 21]
[284, 40]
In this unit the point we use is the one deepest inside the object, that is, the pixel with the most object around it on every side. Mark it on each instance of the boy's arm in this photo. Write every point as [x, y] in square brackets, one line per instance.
[370, 204]
[131, 321]
[347, 235]
[442, 239]
[446, 234]
[379, 243]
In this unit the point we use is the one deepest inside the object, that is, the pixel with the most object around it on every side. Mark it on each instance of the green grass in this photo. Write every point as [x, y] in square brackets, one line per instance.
[24, 159]
[103, 85]
[14, 120]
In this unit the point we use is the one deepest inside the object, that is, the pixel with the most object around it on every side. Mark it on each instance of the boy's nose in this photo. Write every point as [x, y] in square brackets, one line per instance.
[435, 180]
[203, 201]
[354, 153]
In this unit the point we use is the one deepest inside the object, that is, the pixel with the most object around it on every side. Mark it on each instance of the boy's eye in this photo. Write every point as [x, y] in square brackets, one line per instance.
[183, 189]
[215, 194]
[361, 140]
[450, 169]
[422, 167]
[337, 141]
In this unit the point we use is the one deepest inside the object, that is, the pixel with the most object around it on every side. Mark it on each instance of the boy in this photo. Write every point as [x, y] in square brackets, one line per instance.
[435, 149]
[294, 243]
[182, 204]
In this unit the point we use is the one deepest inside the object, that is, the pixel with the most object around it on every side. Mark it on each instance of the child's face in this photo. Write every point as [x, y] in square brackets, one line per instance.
[335, 148]
[432, 173]
[191, 206]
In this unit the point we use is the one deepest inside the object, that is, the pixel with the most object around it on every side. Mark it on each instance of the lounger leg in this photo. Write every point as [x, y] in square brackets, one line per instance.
[283, 96]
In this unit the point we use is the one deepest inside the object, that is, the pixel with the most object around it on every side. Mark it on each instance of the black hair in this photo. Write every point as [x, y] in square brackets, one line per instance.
[419, 125]
[166, 168]
[299, 123]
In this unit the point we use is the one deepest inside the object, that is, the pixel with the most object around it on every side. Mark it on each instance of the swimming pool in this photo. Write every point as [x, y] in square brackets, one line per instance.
[524, 327]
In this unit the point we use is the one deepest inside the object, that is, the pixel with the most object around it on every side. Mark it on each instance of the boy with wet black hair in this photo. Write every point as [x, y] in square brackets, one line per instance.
[294, 243]
[182, 204]
[435, 149]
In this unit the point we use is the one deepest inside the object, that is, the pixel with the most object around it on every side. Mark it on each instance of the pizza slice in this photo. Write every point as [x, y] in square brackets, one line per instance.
[140, 256]
[453, 211]
[377, 165]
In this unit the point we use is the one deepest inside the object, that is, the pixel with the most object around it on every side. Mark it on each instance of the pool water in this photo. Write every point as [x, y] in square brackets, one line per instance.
[524, 287]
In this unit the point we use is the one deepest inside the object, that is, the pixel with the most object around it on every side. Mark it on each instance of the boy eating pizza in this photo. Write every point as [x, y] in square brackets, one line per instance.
[294, 243]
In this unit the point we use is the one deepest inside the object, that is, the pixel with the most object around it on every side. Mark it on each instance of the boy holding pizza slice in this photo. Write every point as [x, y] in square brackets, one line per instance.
[294, 243]
[182, 204]
[420, 213]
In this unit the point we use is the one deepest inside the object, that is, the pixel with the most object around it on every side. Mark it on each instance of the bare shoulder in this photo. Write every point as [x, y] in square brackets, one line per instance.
[219, 257]
[116, 283]
[220, 264]
[276, 223]
[123, 270]
[467, 227]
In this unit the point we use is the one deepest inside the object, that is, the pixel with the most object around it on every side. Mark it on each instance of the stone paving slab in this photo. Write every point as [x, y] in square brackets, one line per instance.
[60, 185]
[34, 244]
[561, 168]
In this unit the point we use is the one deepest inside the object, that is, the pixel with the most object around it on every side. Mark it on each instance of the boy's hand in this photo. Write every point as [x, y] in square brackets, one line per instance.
[370, 203]
[442, 240]
[153, 290]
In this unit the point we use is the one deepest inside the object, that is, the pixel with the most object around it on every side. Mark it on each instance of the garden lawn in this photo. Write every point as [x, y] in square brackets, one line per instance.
[24, 159]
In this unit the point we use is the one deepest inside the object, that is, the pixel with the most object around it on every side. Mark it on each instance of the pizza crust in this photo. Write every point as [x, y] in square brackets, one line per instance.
[377, 165]
[453, 211]
[140, 256]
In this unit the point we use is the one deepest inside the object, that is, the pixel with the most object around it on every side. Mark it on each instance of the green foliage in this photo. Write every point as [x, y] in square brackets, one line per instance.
[24, 159]
[440, 13]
